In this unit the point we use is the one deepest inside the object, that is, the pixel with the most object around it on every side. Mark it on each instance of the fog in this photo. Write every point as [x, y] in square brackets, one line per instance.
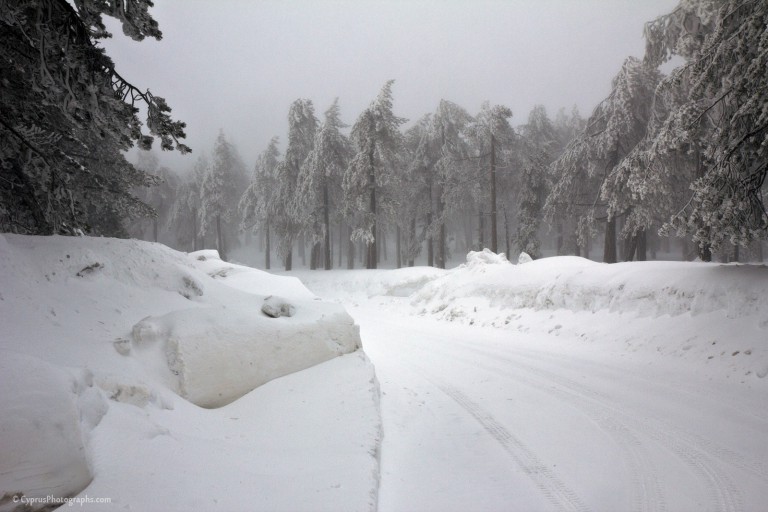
[236, 65]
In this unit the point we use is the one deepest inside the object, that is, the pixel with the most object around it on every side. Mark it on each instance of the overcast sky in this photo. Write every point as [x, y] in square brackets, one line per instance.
[237, 65]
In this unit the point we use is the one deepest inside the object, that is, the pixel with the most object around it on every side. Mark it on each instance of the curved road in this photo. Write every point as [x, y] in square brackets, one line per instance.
[489, 419]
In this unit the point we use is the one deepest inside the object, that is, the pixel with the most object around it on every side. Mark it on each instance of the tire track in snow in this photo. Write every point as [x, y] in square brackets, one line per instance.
[550, 486]
[723, 493]
[718, 452]
[647, 495]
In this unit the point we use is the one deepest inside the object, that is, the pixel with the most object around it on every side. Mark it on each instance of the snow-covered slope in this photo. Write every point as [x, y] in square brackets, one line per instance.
[109, 347]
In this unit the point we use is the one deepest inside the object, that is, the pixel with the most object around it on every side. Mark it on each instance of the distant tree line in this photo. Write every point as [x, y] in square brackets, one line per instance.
[682, 155]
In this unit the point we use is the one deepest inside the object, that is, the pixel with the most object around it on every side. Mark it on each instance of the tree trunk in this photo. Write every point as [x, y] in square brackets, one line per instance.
[468, 239]
[313, 256]
[383, 246]
[327, 223]
[609, 247]
[736, 254]
[411, 238]
[481, 232]
[268, 249]
[371, 262]
[195, 245]
[630, 246]
[341, 243]
[350, 249]
[506, 234]
[220, 239]
[154, 228]
[303, 249]
[621, 247]
[430, 246]
[399, 254]
[441, 242]
[642, 245]
[587, 244]
[494, 234]
[289, 260]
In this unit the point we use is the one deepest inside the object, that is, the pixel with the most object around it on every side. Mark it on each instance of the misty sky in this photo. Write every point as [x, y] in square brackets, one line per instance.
[237, 65]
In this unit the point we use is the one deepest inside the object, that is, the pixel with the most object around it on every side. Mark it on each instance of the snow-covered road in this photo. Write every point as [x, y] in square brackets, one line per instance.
[479, 418]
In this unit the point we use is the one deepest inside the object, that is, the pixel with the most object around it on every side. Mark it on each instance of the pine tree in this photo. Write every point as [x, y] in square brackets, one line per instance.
[302, 126]
[537, 145]
[319, 183]
[723, 116]
[440, 159]
[615, 127]
[160, 197]
[221, 189]
[67, 116]
[185, 215]
[376, 139]
[492, 135]
[258, 206]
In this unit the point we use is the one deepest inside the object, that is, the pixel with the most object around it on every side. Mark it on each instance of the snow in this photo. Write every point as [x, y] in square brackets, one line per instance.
[564, 384]
[42, 445]
[110, 349]
[156, 380]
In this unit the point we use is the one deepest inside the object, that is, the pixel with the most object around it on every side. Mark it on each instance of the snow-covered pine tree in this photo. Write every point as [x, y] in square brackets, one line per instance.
[319, 184]
[726, 50]
[376, 139]
[615, 127]
[220, 191]
[565, 223]
[258, 206]
[68, 116]
[302, 127]
[159, 197]
[627, 114]
[448, 134]
[536, 147]
[491, 136]
[185, 215]
[412, 217]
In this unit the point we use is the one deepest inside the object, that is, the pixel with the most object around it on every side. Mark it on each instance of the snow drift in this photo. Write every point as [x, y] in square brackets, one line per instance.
[212, 363]
[652, 288]
[101, 337]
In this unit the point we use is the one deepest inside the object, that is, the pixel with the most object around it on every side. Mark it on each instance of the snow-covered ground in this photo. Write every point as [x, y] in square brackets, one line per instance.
[564, 384]
[109, 350]
[558, 384]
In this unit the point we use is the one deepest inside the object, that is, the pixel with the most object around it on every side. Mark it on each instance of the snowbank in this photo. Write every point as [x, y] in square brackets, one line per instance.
[568, 282]
[212, 363]
[41, 449]
[708, 314]
[106, 342]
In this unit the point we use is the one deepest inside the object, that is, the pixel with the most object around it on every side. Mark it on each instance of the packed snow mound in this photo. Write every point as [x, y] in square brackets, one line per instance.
[524, 258]
[101, 338]
[247, 278]
[41, 443]
[354, 285]
[568, 282]
[479, 259]
[211, 363]
[210, 340]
